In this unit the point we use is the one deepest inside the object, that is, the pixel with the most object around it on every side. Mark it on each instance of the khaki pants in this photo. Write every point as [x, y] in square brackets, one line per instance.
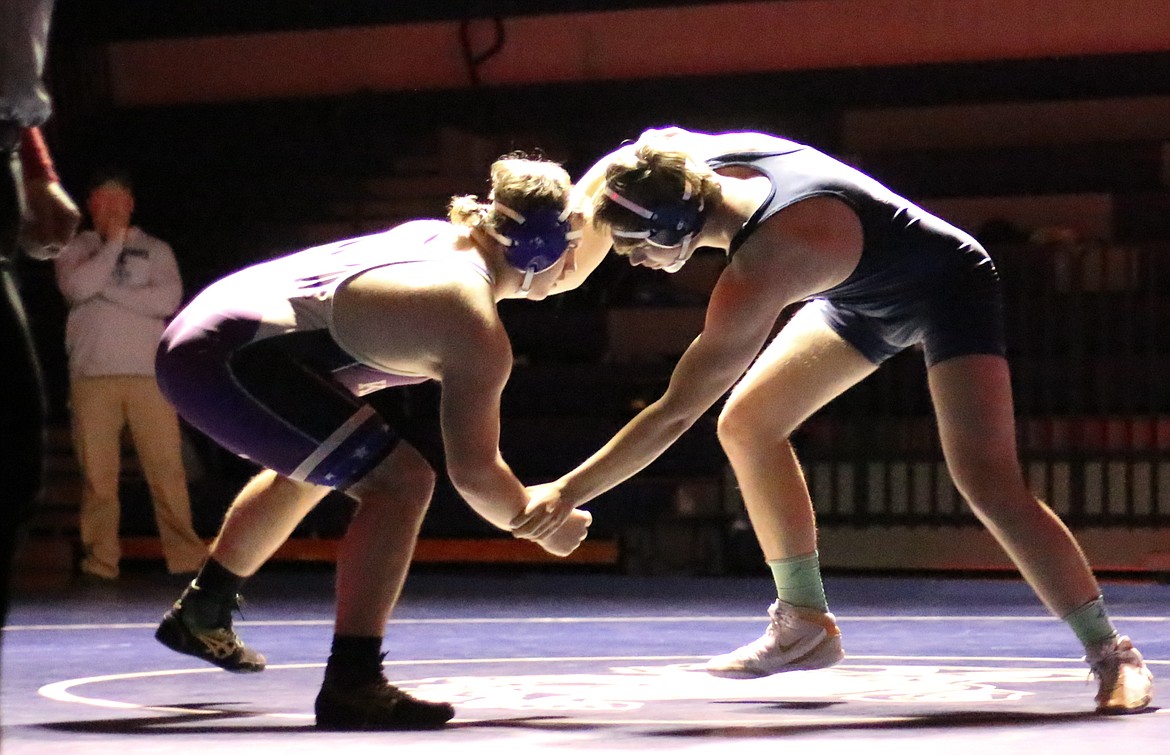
[101, 408]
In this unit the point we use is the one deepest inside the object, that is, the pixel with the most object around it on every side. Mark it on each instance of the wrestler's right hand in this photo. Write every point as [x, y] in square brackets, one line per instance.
[546, 511]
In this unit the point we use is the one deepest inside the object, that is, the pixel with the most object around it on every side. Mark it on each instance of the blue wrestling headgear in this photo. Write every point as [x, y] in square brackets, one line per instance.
[533, 243]
[669, 226]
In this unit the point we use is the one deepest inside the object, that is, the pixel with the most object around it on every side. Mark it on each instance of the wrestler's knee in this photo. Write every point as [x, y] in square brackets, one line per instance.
[404, 479]
[743, 427]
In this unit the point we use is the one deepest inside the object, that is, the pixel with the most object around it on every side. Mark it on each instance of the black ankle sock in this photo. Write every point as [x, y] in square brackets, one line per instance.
[216, 581]
[354, 660]
[209, 601]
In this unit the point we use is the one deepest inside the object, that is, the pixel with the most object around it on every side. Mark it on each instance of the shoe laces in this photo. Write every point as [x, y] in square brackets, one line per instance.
[207, 606]
[1106, 658]
[236, 604]
[781, 621]
[782, 618]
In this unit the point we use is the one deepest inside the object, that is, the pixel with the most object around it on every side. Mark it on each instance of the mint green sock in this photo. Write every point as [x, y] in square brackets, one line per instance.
[1091, 622]
[798, 581]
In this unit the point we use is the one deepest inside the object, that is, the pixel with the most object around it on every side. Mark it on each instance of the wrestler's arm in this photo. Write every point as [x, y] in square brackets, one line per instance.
[474, 363]
[814, 246]
[474, 360]
[739, 320]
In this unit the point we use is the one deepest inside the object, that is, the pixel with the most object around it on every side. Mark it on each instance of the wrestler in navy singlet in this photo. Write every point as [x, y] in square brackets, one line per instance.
[255, 362]
[919, 279]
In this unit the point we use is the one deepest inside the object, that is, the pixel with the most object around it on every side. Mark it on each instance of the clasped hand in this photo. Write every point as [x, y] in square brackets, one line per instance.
[552, 523]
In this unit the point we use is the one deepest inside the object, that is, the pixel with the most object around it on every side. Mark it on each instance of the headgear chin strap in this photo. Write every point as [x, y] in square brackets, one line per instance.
[685, 251]
[669, 226]
[533, 243]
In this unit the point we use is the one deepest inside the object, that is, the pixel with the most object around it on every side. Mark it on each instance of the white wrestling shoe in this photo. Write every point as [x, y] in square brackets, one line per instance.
[1127, 686]
[797, 639]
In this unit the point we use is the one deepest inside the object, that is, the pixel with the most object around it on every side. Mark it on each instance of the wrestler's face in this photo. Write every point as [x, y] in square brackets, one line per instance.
[655, 257]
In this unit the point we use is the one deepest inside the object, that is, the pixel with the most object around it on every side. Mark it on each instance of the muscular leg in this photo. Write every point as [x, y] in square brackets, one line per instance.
[371, 568]
[376, 551]
[263, 515]
[806, 366]
[973, 402]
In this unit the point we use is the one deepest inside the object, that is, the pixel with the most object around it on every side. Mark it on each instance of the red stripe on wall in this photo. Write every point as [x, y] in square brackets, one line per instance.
[660, 42]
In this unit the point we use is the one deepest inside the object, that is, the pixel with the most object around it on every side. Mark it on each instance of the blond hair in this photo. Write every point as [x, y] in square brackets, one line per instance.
[523, 184]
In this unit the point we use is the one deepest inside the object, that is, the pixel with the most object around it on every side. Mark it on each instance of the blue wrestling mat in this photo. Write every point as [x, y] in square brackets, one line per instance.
[582, 663]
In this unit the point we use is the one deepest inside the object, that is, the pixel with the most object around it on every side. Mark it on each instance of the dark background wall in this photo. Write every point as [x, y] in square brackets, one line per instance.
[260, 127]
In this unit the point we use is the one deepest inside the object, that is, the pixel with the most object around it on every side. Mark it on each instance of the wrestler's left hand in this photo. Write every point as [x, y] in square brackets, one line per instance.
[565, 539]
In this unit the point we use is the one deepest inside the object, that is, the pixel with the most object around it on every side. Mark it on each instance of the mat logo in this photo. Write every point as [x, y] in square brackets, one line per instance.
[631, 687]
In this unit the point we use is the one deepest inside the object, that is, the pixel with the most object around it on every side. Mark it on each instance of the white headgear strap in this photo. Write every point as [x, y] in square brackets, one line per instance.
[504, 209]
[530, 271]
[629, 204]
[684, 254]
[526, 285]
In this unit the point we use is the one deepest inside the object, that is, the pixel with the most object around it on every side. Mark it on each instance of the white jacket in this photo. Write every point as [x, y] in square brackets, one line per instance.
[119, 297]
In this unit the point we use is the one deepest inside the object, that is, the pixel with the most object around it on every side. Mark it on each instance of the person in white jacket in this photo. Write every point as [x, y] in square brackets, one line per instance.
[121, 285]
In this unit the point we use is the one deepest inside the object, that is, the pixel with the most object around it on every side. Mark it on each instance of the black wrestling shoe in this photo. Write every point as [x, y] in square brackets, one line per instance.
[202, 628]
[376, 705]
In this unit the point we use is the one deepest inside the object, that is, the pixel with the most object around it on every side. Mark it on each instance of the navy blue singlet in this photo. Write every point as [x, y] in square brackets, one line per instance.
[919, 280]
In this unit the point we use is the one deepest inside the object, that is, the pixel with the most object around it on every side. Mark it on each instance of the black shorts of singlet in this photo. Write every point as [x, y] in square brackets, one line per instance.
[942, 293]
[274, 401]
